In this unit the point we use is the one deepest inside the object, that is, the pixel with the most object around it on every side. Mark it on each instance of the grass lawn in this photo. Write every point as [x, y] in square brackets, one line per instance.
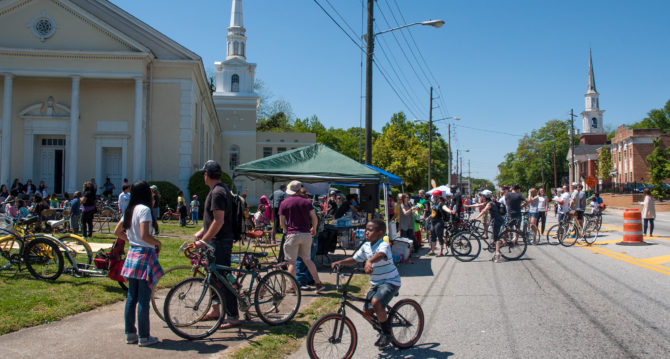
[25, 301]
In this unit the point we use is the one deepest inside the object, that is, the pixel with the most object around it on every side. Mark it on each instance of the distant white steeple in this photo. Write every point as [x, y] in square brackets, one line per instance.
[592, 117]
[236, 40]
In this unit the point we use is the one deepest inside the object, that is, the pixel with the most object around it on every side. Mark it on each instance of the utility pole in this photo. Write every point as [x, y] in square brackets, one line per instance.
[572, 144]
[469, 180]
[370, 39]
[555, 172]
[449, 144]
[457, 178]
[430, 137]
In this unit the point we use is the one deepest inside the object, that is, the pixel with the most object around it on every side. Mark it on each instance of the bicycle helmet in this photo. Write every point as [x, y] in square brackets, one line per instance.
[486, 193]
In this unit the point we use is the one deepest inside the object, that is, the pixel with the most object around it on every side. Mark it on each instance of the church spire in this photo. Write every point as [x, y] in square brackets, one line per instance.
[592, 80]
[236, 40]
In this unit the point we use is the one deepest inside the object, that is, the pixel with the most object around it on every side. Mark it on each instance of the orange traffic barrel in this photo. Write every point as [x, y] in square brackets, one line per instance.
[632, 227]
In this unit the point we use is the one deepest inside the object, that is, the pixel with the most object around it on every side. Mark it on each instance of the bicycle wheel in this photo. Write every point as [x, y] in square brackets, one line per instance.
[79, 249]
[569, 236]
[599, 222]
[465, 246]
[10, 252]
[43, 259]
[477, 227]
[331, 337]
[513, 244]
[406, 323]
[554, 234]
[171, 277]
[187, 303]
[277, 298]
[165, 218]
[591, 231]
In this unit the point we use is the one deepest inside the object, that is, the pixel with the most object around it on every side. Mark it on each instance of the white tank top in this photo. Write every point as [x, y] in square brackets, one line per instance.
[542, 203]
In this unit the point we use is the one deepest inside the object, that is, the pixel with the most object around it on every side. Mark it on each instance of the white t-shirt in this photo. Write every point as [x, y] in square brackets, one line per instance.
[141, 214]
[565, 203]
[124, 198]
[383, 271]
[542, 203]
[532, 207]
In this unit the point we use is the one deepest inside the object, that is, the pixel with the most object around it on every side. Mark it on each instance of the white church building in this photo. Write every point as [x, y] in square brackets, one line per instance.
[90, 91]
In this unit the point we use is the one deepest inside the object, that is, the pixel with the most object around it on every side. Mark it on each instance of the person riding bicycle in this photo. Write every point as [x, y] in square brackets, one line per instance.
[384, 276]
[578, 202]
[596, 203]
[497, 219]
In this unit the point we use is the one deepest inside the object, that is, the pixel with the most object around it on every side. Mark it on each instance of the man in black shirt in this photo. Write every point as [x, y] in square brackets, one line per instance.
[514, 201]
[217, 229]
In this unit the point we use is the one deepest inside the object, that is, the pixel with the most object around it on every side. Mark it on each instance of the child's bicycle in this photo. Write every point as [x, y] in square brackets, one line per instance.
[334, 335]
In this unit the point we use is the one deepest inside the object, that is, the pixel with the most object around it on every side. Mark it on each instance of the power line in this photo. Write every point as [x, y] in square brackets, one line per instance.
[340, 26]
[341, 17]
[487, 130]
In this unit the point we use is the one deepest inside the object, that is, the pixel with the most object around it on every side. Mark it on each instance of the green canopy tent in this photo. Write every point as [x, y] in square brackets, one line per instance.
[315, 163]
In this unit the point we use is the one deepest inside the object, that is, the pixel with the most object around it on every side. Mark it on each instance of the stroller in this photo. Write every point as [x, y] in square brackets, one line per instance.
[112, 262]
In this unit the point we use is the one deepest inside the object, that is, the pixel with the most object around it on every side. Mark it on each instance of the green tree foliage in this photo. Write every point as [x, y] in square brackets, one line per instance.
[657, 118]
[277, 122]
[400, 151]
[197, 185]
[604, 163]
[479, 184]
[659, 164]
[532, 164]
[440, 152]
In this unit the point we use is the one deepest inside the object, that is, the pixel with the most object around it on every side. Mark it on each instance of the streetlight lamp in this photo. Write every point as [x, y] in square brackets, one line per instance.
[370, 39]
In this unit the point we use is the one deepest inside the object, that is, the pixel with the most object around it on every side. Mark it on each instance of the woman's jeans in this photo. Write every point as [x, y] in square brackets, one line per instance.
[87, 223]
[139, 295]
[649, 221]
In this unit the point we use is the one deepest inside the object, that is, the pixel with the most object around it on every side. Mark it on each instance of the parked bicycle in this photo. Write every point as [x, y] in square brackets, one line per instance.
[38, 253]
[467, 245]
[171, 214]
[334, 335]
[568, 231]
[276, 297]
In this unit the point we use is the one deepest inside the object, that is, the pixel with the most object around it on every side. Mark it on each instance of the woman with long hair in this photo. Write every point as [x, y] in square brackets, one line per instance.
[491, 207]
[542, 210]
[533, 213]
[648, 211]
[405, 218]
[141, 267]
[88, 209]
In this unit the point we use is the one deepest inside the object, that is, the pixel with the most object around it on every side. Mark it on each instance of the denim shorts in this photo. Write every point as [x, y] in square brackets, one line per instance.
[383, 292]
[534, 214]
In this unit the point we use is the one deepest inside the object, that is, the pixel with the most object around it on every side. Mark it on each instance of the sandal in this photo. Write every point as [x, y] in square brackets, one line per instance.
[209, 317]
[227, 324]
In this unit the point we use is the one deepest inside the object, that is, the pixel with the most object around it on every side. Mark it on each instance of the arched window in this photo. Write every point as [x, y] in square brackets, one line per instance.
[234, 155]
[235, 83]
[594, 122]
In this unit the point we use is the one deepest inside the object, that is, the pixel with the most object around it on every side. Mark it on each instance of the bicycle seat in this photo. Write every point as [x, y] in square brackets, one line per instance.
[55, 222]
[259, 254]
[254, 234]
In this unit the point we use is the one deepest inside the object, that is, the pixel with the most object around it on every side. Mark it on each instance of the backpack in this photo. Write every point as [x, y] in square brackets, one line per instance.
[237, 214]
[502, 210]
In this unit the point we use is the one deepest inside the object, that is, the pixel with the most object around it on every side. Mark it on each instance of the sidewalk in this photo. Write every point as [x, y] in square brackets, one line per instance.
[100, 334]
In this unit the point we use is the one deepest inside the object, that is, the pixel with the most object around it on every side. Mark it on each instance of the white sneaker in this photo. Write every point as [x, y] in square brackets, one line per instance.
[145, 342]
[131, 338]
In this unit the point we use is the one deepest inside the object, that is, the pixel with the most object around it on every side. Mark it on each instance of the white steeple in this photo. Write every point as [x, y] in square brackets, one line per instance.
[236, 40]
[592, 117]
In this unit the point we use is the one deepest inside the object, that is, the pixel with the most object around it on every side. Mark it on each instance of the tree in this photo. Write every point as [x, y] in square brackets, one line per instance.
[604, 163]
[659, 164]
[656, 118]
[532, 164]
[399, 151]
[278, 122]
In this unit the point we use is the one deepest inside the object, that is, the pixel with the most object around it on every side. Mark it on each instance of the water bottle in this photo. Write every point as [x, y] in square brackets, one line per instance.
[230, 277]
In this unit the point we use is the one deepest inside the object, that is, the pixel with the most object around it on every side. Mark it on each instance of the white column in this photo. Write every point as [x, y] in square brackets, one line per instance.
[138, 133]
[6, 159]
[73, 145]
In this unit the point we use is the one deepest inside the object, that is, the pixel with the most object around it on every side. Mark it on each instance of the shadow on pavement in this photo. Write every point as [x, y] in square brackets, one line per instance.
[425, 350]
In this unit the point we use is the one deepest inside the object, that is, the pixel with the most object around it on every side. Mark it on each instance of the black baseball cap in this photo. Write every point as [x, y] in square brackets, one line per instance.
[212, 168]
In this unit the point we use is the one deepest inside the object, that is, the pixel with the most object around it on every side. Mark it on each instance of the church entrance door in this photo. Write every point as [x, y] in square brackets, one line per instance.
[111, 165]
[50, 163]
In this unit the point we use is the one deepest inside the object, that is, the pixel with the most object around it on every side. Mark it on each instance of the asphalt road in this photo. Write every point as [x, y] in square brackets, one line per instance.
[603, 301]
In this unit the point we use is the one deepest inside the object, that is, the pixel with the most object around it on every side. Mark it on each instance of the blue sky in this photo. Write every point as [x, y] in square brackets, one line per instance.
[503, 66]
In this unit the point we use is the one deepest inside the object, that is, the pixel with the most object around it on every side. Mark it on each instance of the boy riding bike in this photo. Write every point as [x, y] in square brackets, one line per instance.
[384, 276]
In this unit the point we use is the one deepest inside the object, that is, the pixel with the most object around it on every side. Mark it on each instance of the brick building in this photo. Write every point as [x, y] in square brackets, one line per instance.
[630, 149]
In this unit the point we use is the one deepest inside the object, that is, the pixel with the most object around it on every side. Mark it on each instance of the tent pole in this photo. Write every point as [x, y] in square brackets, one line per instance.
[386, 209]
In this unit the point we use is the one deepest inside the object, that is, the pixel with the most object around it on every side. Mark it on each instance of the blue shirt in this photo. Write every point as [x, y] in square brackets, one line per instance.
[383, 271]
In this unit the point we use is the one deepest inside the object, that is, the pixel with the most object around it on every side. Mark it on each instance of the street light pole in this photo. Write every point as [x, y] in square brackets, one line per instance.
[369, 52]
[430, 138]
[449, 154]
[370, 39]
